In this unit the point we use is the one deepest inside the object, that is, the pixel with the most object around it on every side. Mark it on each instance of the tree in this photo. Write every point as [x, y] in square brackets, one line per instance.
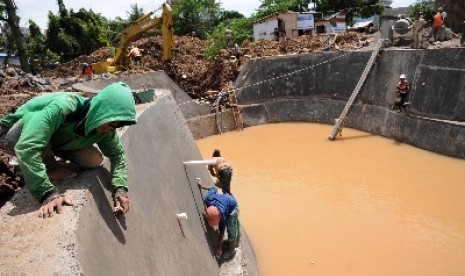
[40, 55]
[229, 15]
[135, 13]
[7, 42]
[76, 33]
[241, 28]
[269, 7]
[13, 22]
[351, 8]
[195, 16]
[424, 6]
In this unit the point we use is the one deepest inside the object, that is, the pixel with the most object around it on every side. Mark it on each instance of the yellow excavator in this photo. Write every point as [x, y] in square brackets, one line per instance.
[140, 26]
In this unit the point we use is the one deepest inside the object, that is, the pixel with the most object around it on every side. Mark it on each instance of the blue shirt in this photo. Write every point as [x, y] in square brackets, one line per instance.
[226, 204]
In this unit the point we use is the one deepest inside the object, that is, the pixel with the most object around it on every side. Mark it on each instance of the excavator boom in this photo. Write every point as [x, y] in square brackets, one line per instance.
[131, 33]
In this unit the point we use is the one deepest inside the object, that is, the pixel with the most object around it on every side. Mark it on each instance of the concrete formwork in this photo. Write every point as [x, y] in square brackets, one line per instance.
[151, 240]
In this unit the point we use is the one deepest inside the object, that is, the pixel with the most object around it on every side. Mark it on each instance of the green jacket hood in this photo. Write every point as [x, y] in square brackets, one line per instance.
[114, 103]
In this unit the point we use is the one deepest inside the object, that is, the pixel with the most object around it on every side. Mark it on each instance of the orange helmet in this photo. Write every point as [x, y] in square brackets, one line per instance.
[213, 216]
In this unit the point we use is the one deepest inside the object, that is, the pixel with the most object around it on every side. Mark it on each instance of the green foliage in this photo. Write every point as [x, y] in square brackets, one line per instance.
[269, 7]
[195, 16]
[135, 13]
[242, 30]
[7, 42]
[76, 33]
[424, 6]
[352, 8]
[39, 54]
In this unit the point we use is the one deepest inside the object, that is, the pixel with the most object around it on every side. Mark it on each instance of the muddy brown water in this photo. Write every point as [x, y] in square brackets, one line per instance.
[363, 205]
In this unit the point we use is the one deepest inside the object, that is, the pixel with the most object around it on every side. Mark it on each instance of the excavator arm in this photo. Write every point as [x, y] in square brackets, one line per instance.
[140, 26]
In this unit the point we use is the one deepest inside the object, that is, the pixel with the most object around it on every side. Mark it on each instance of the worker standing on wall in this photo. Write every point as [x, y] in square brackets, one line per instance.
[68, 125]
[438, 25]
[402, 90]
[417, 27]
[223, 171]
[222, 211]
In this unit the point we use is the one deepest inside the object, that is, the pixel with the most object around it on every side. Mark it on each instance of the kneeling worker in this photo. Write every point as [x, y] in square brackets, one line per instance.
[68, 125]
[222, 210]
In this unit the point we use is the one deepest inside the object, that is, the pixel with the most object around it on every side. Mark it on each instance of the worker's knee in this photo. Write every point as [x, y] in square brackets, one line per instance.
[92, 162]
[88, 158]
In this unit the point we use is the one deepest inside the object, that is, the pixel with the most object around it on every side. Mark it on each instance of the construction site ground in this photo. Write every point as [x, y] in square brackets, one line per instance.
[190, 69]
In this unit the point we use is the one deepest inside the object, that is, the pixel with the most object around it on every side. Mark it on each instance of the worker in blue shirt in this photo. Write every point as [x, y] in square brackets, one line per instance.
[222, 211]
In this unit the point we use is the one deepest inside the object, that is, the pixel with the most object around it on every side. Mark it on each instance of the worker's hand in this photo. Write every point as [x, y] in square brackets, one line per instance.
[199, 182]
[54, 205]
[121, 200]
[121, 205]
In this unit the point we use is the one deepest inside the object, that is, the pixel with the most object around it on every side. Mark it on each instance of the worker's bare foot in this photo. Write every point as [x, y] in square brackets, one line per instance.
[61, 172]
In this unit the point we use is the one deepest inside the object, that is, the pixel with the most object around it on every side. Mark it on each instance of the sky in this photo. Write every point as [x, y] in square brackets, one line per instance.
[37, 10]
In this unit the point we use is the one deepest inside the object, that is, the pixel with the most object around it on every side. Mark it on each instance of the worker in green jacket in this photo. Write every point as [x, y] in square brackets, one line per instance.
[68, 125]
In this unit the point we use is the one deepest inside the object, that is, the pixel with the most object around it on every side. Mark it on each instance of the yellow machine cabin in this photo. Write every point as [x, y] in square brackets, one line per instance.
[125, 38]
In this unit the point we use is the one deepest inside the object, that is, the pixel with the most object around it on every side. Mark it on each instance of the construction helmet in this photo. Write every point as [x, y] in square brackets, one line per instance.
[213, 216]
[402, 76]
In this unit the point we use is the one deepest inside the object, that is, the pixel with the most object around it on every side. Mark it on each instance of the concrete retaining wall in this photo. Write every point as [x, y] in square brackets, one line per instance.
[316, 87]
[150, 240]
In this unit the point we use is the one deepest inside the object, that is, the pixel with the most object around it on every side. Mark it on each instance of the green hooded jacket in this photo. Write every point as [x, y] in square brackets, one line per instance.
[68, 121]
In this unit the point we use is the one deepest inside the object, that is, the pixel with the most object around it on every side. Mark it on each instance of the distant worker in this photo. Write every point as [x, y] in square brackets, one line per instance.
[402, 90]
[276, 34]
[135, 54]
[233, 61]
[229, 38]
[67, 125]
[223, 171]
[417, 27]
[438, 25]
[86, 71]
[222, 211]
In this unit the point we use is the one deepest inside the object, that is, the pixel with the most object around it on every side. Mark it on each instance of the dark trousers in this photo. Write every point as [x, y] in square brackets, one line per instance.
[224, 180]
[403, 100]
